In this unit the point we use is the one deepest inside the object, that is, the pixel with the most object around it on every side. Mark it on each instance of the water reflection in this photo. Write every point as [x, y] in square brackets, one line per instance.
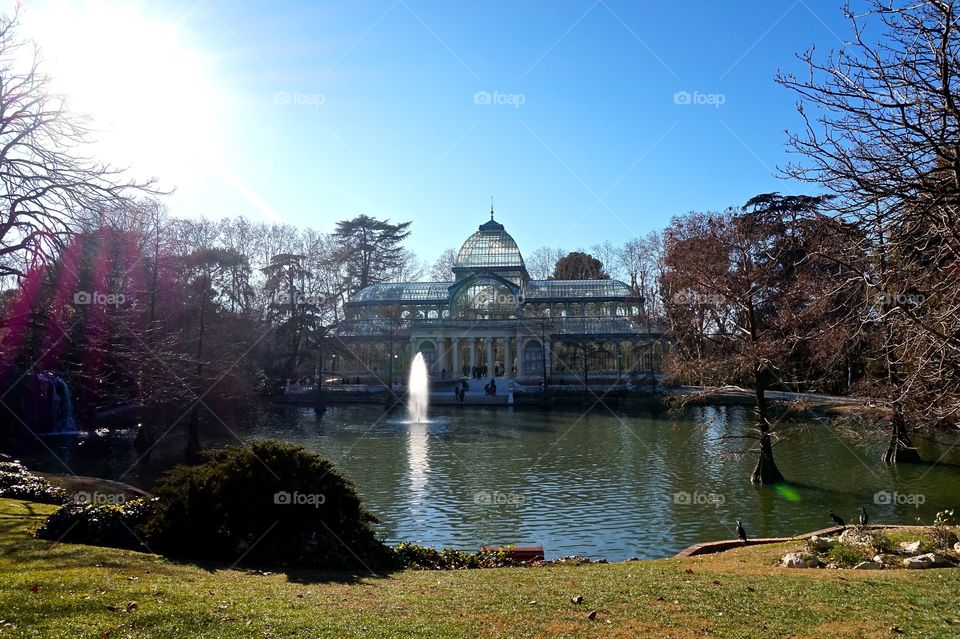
[600, 484]
[418, 462]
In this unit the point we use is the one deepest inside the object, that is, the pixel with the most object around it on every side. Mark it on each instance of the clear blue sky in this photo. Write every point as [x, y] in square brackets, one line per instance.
[336, 108]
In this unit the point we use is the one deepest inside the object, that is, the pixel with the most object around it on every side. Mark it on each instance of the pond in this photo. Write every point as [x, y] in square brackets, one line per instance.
[596, 483]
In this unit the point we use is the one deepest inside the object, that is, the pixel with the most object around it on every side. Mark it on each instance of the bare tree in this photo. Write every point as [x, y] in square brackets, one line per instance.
[885, 138]
[442, 268]
[541, 262]
[48, 184]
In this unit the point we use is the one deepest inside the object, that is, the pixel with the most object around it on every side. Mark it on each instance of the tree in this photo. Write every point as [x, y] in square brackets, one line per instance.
[370, 249]
[291, 310]
[50, 186]
[886, 141]
[746, 296]
[609, 255]
[442, 268]
[579, 266]
[639, 258]
[541, 262]
[205, 276]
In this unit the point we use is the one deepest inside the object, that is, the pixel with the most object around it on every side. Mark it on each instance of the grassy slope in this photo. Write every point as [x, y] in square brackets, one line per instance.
[736, 594]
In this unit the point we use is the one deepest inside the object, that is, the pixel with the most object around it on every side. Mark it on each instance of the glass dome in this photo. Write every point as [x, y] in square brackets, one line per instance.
[490, 247]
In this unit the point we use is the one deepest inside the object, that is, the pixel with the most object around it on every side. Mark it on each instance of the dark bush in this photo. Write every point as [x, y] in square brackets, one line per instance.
[265, 503]
[114, 525]
[426, 558]
[16, 482]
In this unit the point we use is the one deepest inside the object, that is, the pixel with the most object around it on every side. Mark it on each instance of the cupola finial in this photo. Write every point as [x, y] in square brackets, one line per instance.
[491, 207]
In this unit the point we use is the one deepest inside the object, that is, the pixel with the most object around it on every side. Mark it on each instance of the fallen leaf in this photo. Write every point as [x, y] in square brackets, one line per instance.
[689, 571]
[132, 606]
[532, 602]
[896, 630]
[577, 600]
[111, 608]
[34, 587]
[592, 615]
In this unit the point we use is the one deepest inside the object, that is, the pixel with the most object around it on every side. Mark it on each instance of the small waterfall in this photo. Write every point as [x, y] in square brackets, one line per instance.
[418, 390]
[60, 403]
[64, 421]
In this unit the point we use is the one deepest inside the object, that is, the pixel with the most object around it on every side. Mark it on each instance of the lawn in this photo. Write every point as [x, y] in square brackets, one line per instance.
[62, 590]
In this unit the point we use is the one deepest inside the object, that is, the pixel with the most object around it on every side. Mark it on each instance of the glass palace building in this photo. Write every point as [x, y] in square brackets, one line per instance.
[493, 320]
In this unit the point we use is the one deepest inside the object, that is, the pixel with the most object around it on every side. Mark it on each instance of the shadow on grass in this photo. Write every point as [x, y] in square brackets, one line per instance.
[18, 519]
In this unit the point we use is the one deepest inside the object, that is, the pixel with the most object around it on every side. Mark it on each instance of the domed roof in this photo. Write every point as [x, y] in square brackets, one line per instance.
[490, 247]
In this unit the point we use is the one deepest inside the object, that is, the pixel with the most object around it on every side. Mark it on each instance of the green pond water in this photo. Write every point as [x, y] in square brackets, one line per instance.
[598, 483]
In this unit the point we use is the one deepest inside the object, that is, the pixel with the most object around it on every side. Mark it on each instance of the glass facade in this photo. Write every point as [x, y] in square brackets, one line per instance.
[492, 316]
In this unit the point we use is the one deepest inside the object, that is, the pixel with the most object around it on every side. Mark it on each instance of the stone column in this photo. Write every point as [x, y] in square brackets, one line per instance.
[507, 362]
[455, 358]
[489, 357]
[473, 353]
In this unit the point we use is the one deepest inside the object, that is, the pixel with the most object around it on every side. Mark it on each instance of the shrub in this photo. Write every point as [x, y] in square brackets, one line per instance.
[943, 538]
[846, 556]
[426, 558]
[264, 503]
[881, 544]
[16, 482]
[114, 525]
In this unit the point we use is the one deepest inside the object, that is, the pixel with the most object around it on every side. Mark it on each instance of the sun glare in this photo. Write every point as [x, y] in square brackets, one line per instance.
[149, 95]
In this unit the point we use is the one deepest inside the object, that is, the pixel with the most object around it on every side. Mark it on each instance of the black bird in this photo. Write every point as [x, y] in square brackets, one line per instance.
[837, 520]
[864, 518]
[741, 533]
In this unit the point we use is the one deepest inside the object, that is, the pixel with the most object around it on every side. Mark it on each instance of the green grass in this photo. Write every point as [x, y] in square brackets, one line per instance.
[61, 590]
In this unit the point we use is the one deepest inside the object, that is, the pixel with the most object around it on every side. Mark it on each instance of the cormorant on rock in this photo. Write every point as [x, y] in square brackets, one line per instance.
[864, 518]
[837, 520]
[741, 533]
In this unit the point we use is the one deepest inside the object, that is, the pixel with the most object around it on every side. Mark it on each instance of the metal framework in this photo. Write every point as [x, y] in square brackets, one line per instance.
[492, 313]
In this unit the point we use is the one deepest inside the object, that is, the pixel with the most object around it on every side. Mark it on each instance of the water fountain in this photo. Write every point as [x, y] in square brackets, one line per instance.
[418, 390]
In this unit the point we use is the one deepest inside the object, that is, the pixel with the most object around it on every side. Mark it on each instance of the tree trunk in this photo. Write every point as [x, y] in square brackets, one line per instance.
[193, 428]
[900, 449]
[766, 471]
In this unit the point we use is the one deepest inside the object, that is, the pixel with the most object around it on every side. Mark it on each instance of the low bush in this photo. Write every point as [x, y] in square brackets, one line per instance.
[881, 544]
[16, 482]
[265, 503]
[942, 537]
[114, 525]
[426, 558]
[846, 556]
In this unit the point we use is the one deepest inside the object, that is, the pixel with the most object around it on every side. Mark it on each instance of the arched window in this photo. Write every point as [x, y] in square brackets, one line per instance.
[486, 298]
[429, 352]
